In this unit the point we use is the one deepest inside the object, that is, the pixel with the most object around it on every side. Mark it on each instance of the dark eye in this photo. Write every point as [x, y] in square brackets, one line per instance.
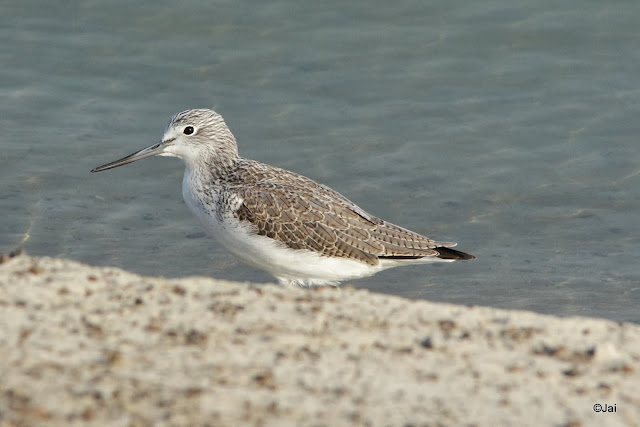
[188, 130]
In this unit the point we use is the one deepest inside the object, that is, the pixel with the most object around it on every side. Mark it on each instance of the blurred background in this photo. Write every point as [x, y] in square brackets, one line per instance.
[508, 127]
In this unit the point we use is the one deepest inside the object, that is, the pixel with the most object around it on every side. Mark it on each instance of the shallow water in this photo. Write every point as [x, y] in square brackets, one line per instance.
[510, 128]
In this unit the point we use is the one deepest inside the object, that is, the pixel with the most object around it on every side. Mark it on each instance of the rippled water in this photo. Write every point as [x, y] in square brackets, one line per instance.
[509, 127]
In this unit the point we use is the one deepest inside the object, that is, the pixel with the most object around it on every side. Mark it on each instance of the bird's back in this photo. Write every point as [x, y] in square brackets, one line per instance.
[305, 215]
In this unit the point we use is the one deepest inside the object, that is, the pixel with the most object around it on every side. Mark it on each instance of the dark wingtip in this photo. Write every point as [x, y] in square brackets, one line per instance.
[443, 253]
[448, 253]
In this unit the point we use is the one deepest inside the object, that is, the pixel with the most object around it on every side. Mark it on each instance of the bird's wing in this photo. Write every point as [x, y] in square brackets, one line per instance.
[303, 214]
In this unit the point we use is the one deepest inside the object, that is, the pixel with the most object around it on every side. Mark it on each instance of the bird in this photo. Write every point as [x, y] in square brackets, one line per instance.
[301, 232]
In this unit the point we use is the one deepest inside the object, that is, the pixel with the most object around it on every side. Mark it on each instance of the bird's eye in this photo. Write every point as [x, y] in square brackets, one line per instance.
[189, 130]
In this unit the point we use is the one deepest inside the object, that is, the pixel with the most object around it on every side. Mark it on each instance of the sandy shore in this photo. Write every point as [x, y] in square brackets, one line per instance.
[101, 346]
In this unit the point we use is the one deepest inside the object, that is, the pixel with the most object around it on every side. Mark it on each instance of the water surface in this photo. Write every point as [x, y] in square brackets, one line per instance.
[509, 127]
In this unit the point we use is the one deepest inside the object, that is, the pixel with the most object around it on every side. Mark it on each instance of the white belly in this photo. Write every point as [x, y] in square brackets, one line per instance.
[290, 266]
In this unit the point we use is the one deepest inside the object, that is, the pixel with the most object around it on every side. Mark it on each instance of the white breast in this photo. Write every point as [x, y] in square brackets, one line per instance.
[287, 265]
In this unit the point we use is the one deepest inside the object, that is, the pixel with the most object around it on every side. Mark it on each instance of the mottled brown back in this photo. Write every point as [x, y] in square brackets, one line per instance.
[303, 214]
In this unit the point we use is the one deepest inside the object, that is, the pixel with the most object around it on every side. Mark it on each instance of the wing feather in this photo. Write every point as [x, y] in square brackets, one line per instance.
[302, 214]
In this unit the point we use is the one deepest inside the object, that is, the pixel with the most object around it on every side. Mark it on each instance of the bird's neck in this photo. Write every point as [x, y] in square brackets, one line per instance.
[212, 169]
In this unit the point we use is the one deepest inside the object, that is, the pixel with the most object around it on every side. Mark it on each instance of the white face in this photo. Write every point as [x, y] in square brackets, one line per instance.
[181, 140]
[195, 136]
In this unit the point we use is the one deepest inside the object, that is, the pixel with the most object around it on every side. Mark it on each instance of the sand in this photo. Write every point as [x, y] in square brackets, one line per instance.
[82, 345]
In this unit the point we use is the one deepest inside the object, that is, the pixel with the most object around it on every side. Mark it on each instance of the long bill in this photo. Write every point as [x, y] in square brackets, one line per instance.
[146, 152]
